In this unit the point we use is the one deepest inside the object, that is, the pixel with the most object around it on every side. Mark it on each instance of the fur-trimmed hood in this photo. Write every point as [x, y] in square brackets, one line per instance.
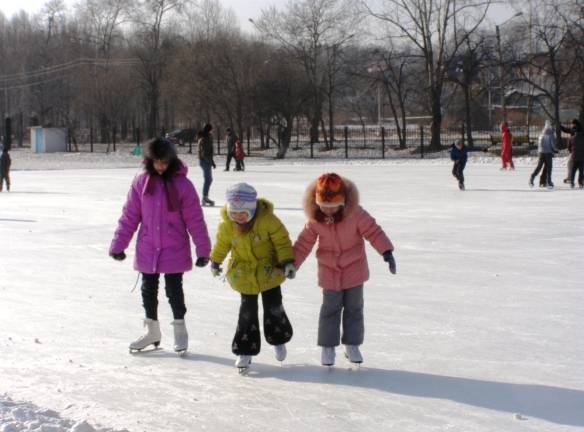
[351, 199]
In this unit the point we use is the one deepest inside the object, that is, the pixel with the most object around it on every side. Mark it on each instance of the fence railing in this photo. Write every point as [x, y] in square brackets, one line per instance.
[346, 142]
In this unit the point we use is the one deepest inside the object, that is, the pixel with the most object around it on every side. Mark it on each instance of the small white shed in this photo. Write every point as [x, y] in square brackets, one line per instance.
[48, 140]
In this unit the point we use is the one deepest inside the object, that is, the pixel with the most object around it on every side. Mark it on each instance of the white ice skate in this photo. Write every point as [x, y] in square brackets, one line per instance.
[242, 362]
[181, 337]
[280, 351]
[151, 337]
[353, 354]
[327, 357]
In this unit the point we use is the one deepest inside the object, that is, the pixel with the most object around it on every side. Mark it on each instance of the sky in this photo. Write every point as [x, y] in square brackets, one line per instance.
[244, 9]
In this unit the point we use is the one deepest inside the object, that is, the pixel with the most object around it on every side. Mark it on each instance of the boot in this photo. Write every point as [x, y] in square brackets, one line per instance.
[181, 336]
[243, 361]
[280, 351]
[327, 357]
[353, 354]
[207, 202]
[151, 337]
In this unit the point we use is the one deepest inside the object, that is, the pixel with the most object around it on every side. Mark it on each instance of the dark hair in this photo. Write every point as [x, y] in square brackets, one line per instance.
[161, 149]
[206, 129]
[577, 125]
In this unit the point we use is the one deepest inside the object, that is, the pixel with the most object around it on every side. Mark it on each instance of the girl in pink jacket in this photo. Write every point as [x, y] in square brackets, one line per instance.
[163, 202]
[338, 222]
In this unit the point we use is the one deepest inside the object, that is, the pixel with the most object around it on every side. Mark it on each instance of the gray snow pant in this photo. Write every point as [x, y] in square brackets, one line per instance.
[348, 304]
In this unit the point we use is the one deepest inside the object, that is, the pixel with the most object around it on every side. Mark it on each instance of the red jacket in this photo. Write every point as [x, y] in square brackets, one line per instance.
[239, 153]
[506, 141]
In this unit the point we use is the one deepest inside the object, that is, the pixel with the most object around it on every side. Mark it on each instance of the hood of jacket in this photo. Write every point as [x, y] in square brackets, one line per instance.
[351, 199]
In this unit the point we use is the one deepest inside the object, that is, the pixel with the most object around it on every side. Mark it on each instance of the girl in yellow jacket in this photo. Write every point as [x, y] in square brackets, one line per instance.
[261, 259]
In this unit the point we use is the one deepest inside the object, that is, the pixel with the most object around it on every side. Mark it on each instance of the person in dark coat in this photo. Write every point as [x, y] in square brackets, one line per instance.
[576, 149]
[571, 130]
[5, 163]
[459, 154]
[231, 140]
[206, 161]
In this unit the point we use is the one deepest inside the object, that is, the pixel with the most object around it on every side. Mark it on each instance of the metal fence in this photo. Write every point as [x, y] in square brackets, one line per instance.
[370, 142]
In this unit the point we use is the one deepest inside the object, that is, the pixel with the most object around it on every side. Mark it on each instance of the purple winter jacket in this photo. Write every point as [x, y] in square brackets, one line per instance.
[167, 213]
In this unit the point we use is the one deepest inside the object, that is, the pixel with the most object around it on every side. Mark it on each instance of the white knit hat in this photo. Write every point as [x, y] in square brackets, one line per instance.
[241, 197]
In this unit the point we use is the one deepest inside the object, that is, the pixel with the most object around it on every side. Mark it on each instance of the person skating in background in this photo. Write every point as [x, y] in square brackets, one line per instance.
[546, 147]
[260, 261]
[339, 224]
[231, 139]
[506, 147]
[576, 148]
[206, 161]
[239, 156]
[571, 130]
[164, 205]
[5, 163]
[459, 154]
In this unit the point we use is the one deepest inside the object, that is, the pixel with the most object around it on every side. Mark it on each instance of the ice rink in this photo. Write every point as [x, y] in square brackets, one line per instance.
[480, 330]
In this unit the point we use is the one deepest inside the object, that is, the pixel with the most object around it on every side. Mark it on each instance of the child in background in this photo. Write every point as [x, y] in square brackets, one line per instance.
[338, 222]
[239, 156]
[261, 259]
[459, 154]
[5, 163]
[164, 203]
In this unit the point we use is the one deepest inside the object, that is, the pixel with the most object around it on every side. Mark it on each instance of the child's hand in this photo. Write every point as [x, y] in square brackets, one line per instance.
[388, 258]
[120, 256]
[216, 269]
[202, 261]
[290, 271]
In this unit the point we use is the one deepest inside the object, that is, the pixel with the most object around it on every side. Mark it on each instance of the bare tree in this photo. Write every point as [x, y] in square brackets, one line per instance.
[431, 27]
[313, 32]
[150, 48]
[549, 68]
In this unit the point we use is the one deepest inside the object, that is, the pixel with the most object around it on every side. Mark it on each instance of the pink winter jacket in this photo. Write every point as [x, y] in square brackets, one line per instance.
[167, 214]
[342, 262]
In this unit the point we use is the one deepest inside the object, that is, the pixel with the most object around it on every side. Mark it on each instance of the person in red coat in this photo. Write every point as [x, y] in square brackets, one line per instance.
[239, 156]
[506, 147]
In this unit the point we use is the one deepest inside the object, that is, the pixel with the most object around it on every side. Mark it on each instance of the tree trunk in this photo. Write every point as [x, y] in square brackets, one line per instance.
[435, 144]
[468, 116]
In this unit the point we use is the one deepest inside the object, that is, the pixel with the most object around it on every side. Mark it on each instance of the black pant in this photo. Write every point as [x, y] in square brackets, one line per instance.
[277, 327]
[174, 292]
[229, 157]
[545, 162]
[239, 165]
[458, 170]
[5, 178]
[577, 166]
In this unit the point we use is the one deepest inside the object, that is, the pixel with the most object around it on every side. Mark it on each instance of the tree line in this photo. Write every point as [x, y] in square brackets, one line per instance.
[115, 66]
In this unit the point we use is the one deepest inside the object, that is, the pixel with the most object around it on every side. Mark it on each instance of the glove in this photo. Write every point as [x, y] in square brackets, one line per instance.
[486, 149]
[216, 269]
[290, 271]
[202, 261]
[120, 256]
[213, 164]
[388, 258]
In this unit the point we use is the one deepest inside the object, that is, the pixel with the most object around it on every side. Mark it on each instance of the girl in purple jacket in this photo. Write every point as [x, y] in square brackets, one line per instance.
[163, 202]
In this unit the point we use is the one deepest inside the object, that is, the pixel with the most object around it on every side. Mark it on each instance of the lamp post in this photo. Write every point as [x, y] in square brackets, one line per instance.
[500, 55]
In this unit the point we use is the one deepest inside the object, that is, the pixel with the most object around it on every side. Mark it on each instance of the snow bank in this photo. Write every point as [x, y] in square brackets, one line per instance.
[26, 417]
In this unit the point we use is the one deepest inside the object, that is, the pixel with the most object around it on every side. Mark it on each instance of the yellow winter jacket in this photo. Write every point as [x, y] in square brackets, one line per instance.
[257, 256]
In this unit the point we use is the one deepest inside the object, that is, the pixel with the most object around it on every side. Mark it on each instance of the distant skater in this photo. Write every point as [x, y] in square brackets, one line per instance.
[5, 163]
[459, 154]
[506, 147]
[546, 148]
